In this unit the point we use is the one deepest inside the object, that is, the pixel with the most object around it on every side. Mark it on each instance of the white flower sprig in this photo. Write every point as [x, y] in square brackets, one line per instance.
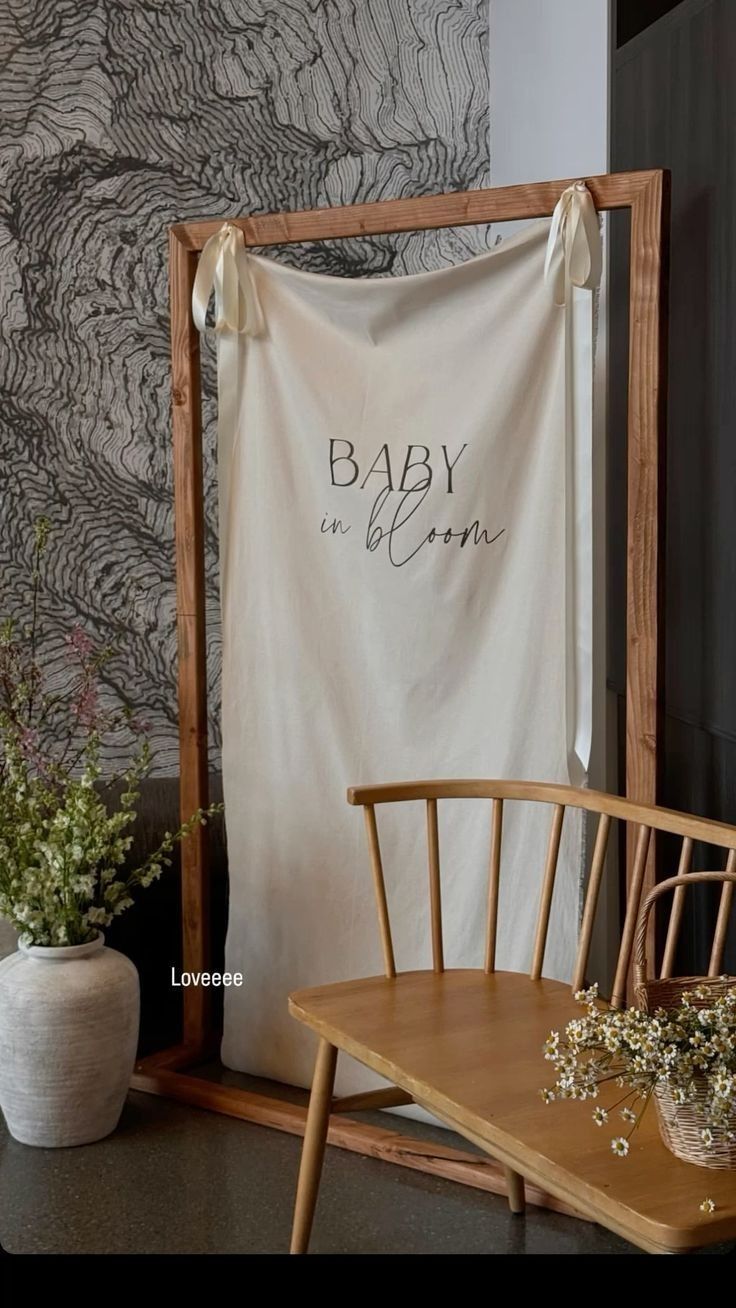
[687, 1049]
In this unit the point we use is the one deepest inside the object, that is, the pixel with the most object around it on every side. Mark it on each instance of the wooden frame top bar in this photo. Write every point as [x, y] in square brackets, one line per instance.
[455, 209]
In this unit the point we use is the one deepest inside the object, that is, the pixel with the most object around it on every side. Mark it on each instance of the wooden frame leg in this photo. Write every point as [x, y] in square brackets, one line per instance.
[515, 1187]
[313, 1149]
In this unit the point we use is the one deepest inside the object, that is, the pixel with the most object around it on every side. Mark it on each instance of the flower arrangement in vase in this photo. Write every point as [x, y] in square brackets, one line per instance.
[69, 1006]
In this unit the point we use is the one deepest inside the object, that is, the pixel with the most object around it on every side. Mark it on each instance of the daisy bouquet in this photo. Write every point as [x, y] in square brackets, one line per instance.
[683, 1056]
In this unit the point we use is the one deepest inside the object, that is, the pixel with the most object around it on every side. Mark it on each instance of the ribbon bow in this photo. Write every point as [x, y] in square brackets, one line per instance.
[574, 254]
[223, 268]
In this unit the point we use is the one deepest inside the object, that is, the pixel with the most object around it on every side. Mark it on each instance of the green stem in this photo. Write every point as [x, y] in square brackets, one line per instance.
[641, 1114]
[622, 1100]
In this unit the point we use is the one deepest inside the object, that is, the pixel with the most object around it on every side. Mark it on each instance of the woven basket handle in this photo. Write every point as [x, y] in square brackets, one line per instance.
[672, 883]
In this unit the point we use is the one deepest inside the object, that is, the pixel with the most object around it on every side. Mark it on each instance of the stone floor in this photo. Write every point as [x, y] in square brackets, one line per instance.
[177, 1180]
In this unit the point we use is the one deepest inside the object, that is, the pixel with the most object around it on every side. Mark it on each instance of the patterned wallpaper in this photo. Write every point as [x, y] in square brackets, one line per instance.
[118, 117]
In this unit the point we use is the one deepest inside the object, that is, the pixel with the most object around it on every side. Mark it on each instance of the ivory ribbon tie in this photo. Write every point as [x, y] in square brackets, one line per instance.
[224, 269]
[574, 253]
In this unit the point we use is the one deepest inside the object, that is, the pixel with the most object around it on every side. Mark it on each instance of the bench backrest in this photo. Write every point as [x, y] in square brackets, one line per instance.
[641, 821]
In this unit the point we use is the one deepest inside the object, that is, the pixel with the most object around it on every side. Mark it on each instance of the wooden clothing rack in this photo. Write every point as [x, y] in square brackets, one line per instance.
[645, 195]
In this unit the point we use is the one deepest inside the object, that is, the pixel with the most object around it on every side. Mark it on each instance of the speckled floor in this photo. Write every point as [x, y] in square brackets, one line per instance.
[177, 1180]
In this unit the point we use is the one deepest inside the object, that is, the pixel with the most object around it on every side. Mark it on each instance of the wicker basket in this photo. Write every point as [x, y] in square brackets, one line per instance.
[680, 1125]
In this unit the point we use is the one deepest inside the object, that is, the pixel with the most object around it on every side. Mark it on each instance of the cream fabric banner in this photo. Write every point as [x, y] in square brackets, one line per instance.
[399, 595]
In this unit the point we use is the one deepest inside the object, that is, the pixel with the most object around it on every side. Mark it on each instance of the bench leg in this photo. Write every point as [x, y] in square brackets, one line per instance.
[515, 1190]
[313, 1149]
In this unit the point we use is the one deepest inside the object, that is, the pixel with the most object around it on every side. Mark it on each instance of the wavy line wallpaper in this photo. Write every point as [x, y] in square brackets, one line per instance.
[119, 117]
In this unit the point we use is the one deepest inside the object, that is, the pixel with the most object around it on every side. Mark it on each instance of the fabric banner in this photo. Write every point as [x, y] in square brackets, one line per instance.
[399, 596]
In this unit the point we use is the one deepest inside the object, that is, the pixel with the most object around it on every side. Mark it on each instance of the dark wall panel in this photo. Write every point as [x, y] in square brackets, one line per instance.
[674, 106]
[633, 16]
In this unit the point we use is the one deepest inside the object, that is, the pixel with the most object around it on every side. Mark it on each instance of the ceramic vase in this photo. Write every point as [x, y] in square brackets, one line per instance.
[68, 1038]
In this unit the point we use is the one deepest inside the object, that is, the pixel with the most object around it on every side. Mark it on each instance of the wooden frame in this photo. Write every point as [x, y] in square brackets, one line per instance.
[646, 196]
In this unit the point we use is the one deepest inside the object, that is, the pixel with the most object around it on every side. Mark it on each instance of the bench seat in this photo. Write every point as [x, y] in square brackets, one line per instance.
[468, 1047]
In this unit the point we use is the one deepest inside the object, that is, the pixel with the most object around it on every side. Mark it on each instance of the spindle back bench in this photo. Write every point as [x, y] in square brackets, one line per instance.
[466, 1044]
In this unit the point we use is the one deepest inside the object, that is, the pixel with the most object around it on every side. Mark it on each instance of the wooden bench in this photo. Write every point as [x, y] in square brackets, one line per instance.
[466, 1044]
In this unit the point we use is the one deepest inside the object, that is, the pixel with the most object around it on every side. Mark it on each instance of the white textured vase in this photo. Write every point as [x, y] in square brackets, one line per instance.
[68, 1038]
